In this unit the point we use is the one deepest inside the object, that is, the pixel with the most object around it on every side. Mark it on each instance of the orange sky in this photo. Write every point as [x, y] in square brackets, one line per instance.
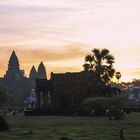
[62, 32]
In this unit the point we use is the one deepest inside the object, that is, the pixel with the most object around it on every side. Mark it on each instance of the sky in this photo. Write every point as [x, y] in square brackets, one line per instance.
[61, 32]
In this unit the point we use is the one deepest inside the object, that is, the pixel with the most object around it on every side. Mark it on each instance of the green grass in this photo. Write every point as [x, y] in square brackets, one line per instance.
[76, 128]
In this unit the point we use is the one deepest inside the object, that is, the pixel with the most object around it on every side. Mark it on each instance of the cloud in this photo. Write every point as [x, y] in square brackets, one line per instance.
[40, 29]
[54, 2]
[55, 57]
[52, 53]
[22, 17]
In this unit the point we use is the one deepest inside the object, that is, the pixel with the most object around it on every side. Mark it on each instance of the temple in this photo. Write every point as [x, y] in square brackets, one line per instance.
[14, 71]
[41, 73]
[63, 91]
[33, 73]
[16, 85]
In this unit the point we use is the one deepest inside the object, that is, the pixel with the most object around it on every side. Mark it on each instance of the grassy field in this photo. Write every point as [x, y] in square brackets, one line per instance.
[76, 128]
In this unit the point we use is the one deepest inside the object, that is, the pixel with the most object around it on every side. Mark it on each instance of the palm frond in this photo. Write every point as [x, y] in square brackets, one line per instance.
[89, 58]
[96, 54]
[104, 52]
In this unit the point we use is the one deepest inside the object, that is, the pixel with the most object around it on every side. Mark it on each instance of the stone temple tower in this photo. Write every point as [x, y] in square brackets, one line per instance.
[14, 71]
[33, 73]
[41, 73]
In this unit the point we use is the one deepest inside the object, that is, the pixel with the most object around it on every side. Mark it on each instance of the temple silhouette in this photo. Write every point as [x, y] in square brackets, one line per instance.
[16, 85]
[65, 91]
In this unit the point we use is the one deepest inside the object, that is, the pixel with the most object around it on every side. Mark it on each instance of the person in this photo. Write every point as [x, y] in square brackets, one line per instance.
[107, 112]
[121, 134]
[14, 113]
[93, 112]
[121, 113]
[124, 115]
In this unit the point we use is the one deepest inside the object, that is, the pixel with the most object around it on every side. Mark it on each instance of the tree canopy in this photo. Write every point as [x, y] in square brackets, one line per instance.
[118, 76]
[101, 62]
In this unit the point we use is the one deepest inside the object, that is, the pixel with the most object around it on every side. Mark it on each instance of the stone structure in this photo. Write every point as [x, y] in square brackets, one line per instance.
[33, 73]
[65, 91]
[41, 73]
[14, 71]
[17, 86]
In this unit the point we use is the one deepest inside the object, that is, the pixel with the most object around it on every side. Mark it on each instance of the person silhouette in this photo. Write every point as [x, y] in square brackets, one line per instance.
[93, 113]
[122, 134]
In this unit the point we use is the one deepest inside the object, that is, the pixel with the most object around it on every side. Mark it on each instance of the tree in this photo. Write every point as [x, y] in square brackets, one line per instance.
[118, 76]
[101, 62]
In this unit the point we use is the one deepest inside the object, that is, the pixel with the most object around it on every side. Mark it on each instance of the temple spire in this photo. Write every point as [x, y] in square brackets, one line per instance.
[33, 73]
[41, 71]
[13, 64]
[13, 71]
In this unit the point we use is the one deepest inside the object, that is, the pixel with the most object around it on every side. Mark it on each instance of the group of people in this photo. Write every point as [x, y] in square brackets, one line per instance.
[116, 114]
[14, 112]
[111, 113]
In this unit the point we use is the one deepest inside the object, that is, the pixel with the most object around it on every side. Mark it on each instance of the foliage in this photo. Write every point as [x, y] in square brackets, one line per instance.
[135, 82]
[118, 100]
[105, 102]
[3, 124]
[96, 101]
[118, 76]
[101, 62]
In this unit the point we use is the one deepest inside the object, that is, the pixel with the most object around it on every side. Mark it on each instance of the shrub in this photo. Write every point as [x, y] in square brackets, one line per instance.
[100, 104]
[3, 124]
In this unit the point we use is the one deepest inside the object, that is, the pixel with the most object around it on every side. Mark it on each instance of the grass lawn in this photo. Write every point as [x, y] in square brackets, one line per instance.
[76, 128]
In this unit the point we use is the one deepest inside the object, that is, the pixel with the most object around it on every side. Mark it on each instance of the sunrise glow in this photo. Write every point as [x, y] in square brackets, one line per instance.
[61, 32]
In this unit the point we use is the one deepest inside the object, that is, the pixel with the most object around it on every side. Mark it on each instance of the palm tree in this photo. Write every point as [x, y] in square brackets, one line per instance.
[101, 62]
[118, 76]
